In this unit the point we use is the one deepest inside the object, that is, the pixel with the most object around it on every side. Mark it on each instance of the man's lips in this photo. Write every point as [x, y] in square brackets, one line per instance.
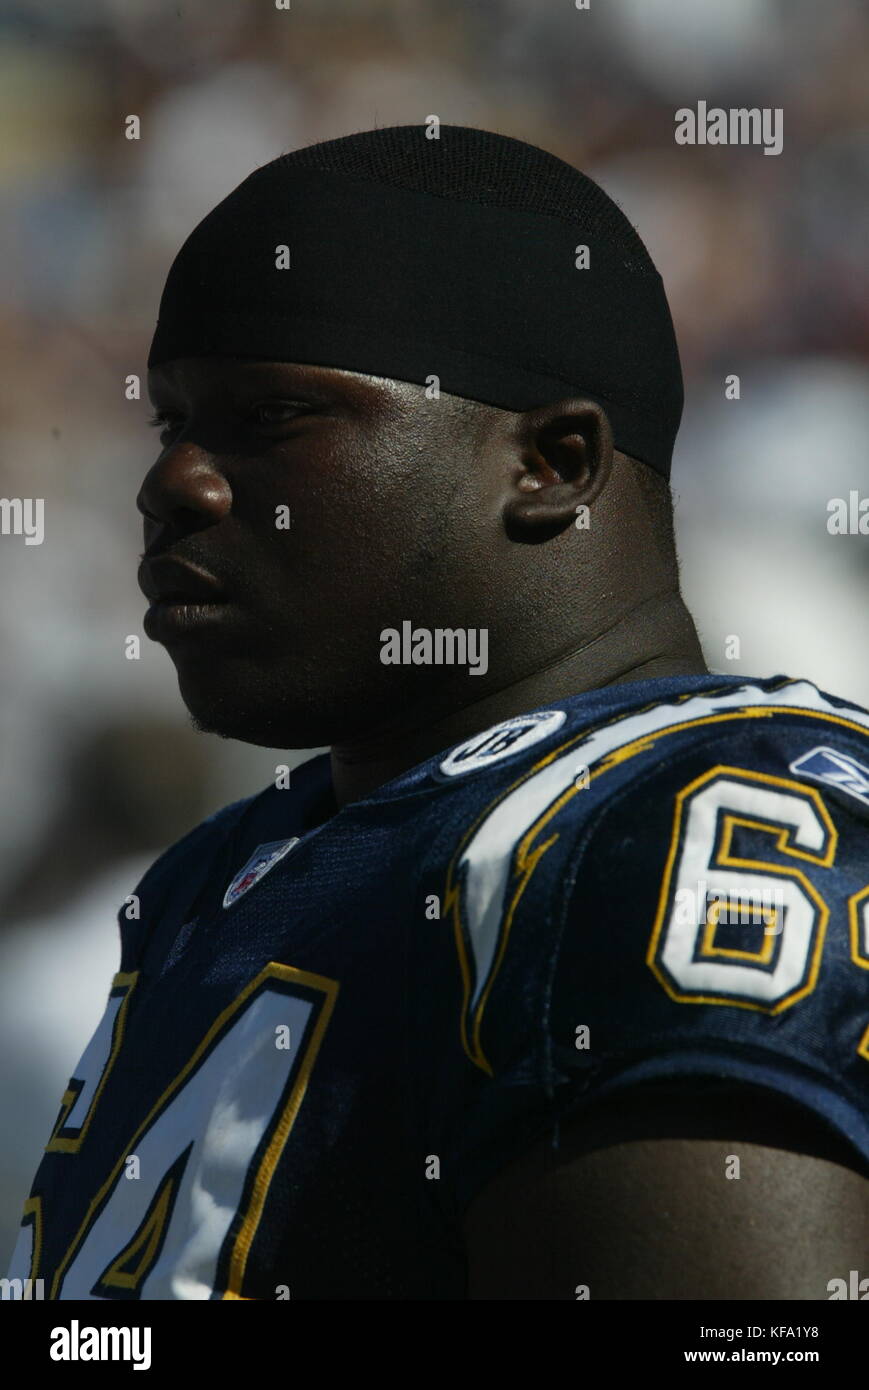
[166, 579]
[186, 601]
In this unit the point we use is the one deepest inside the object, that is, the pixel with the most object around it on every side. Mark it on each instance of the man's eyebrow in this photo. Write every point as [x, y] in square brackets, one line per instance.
[286, 375]
[254, 375]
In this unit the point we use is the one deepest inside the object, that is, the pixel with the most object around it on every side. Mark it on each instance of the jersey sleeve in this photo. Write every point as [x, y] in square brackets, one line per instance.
[718, 927]
[709, 922]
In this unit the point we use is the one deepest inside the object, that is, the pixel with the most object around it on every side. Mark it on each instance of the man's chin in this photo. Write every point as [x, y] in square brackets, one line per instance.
[240, 725]
[229, 716]
[308, 714]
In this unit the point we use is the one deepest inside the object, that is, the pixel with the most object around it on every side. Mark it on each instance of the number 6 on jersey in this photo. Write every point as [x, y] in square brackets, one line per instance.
[711, 955]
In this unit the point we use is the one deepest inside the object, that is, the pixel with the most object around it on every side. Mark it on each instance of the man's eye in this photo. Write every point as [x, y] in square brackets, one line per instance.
[276, 412]
[265, 414]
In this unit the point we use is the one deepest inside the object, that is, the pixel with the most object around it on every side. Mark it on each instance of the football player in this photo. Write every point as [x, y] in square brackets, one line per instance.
[549, 980]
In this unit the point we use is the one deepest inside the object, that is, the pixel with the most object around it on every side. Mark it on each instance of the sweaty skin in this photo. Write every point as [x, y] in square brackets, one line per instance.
[446, 513]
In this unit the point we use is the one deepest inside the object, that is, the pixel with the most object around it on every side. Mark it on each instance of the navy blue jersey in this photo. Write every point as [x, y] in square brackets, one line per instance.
[329, 1031]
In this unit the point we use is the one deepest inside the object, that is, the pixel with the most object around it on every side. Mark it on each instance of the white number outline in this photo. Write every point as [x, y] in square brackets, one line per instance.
[858, 908]
[69, 1140]
[255, 1188]
[719, 857]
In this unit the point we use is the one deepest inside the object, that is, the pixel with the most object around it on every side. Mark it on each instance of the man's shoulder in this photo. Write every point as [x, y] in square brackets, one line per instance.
[776, 734]
[675, 889]
[748, 786]
[618, 739]
[579, 752]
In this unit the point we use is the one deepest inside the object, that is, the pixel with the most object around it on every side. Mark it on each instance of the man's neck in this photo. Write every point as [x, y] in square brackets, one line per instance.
[656, 639]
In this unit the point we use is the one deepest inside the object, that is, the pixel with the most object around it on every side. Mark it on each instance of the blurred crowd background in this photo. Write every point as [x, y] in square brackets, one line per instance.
[764, 259]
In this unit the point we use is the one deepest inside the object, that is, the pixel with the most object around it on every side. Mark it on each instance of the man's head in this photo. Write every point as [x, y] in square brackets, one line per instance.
[391, 382]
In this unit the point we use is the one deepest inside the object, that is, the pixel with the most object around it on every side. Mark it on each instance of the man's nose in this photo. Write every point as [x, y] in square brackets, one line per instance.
[184, 489]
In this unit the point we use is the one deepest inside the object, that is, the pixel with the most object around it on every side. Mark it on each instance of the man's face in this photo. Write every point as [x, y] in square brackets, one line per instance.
[319, 507]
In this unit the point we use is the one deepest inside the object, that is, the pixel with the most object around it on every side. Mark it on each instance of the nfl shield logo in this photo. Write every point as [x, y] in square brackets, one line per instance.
[263, 858]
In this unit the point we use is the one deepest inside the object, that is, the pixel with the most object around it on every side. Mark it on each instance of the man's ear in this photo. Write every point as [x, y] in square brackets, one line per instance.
[566, 453]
